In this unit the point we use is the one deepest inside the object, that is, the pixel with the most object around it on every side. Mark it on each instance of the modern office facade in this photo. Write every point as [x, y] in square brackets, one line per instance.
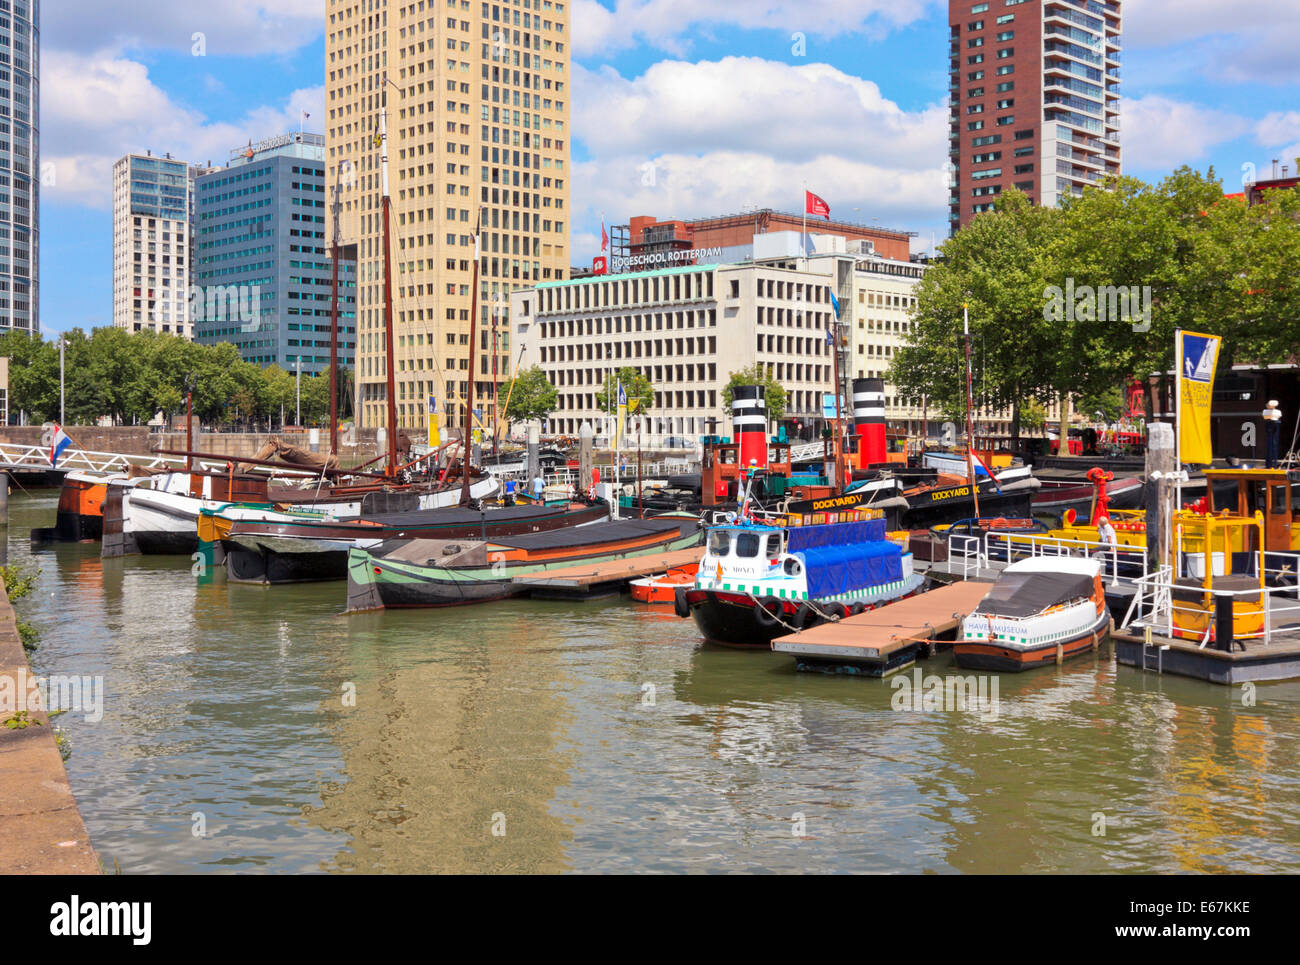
[477, 101]
[686, 330]
[151, 244]
[1034, 89]
[262, 264]
[20, 166]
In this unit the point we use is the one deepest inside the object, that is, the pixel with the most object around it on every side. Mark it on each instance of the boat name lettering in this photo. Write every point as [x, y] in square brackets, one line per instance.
[950, 493]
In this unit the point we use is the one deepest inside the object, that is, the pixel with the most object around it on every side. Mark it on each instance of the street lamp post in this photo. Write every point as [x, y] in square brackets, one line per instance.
[297, 368]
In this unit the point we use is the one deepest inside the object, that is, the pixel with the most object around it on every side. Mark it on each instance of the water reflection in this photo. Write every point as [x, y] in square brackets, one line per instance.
[605, 737]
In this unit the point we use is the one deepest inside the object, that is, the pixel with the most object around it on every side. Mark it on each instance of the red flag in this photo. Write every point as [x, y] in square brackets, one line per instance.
[815, 205]
[604, 237]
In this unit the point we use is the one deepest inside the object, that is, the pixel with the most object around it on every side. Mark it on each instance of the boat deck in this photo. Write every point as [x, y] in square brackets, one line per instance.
[592, 580]
[881, 641]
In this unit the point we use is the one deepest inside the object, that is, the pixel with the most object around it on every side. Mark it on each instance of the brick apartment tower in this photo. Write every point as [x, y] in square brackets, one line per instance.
[478, 120]
[1034, 89]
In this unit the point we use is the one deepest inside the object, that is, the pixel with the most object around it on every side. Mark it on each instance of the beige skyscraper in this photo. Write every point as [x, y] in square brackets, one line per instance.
[478, 125]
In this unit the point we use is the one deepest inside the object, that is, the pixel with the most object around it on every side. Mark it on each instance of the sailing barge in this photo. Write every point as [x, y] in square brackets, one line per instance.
[274, 547]
[442, 572]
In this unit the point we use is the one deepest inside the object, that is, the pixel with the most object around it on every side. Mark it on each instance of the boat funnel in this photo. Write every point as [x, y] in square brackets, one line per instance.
[749, 425]
[869, 421]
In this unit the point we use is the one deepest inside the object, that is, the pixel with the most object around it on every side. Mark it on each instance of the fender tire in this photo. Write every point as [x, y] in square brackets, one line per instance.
[680, 606]
[765, 611]
[856, 608]
[835, 611]
[803, 616]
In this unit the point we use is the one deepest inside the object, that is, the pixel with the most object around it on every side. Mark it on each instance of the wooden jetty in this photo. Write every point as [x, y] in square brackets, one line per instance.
[879, 642]
[1248, 660]
[591, 581]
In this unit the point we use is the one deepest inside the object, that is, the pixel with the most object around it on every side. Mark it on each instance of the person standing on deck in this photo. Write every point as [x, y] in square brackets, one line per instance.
[1272, 429]
[539, 484]
[1106, 537]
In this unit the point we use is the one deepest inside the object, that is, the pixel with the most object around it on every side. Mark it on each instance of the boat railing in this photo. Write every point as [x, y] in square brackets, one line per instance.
[1155, 605]
[1008, 545]
[38, 457]
[971, 550]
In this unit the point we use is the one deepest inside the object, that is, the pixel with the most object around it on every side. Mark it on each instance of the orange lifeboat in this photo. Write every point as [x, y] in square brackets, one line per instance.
[663, 588]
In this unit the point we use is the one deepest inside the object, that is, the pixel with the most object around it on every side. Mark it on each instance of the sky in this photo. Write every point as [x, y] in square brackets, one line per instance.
[681, 108]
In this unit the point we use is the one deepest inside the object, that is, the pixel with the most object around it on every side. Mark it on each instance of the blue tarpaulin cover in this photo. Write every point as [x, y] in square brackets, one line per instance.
[831, 534]
[836, 570]
[841, 557]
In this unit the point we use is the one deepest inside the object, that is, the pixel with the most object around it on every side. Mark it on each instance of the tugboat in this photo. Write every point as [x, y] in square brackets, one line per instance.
[1041, 611]
[764, 577]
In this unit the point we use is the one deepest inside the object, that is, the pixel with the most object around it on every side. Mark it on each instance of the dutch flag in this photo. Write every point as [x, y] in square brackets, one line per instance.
[982, 470]
[59, 443]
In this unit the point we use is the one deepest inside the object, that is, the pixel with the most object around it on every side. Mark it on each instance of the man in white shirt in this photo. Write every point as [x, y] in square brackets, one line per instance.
[1106, 537]
[1272, 430]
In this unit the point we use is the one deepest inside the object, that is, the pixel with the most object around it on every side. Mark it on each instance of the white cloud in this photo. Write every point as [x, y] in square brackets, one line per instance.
[741, 103]
[1160, 134]
[1279, 134]
[228, 27]
[688, 140]
[96, 108]
[1237, 44]
[599, 30]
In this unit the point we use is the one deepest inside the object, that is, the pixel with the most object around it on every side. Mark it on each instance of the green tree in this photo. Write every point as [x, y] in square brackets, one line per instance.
[281, 392]
[33, 375]
[757, 374]
[637, 387]
[532, 396]
[1176, 241]
[1033, 416]
[997, 266]
[315, 399]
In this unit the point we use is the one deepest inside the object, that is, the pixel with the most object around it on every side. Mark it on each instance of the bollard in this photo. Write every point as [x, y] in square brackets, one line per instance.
[1223, 621]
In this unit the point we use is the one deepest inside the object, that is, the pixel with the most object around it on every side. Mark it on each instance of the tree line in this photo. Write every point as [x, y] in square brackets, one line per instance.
[132, 376]
[1073, 302]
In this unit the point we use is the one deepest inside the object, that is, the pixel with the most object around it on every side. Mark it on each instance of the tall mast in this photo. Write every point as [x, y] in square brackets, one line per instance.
[388, 285]
[496, 415]
[469, 398]
[334, 325]
[970, 413]
[838, 483]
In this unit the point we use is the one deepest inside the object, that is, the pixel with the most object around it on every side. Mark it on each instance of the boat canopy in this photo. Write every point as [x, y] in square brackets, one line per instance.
[837, 570]
[1027, 593]
[832, 534]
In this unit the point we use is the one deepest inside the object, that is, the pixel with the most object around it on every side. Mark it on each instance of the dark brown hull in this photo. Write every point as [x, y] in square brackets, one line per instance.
[315, 551]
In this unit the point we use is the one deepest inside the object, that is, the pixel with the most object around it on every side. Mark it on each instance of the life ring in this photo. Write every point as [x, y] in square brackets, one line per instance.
[766, 610]
[680, 606]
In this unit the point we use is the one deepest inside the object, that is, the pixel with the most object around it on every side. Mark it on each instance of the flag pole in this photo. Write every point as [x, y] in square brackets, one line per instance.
[803, 235]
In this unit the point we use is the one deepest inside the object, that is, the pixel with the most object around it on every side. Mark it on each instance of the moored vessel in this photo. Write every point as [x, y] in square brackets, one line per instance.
[441, 572]
[1040, 612]
[269, 547]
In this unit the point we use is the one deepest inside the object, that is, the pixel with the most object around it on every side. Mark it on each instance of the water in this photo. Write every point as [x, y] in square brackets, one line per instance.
[606, 737]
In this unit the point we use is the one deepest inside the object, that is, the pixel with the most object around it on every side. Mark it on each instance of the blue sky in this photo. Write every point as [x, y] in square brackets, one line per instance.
[681, 108]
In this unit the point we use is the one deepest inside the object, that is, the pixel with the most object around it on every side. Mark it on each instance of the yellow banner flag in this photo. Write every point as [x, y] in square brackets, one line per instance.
[435, 436]
[1197, 356]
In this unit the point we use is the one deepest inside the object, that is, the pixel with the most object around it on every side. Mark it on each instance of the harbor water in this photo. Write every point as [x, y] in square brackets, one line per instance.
[250, 729]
